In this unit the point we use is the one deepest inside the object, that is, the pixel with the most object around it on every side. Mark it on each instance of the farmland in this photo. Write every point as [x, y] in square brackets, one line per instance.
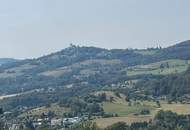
[130, 113]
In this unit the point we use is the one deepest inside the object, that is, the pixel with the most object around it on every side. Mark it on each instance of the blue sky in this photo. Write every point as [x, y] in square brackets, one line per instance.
[32, 28]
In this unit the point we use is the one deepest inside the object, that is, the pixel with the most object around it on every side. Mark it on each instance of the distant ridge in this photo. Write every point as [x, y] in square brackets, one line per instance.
[80, 64]
[182, 44]
[7, 60]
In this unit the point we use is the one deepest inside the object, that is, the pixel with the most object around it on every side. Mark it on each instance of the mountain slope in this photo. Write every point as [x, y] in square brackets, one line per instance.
[178, 51]
[86, 67]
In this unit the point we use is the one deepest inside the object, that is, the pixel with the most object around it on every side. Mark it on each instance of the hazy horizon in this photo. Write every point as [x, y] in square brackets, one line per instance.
[34, 28]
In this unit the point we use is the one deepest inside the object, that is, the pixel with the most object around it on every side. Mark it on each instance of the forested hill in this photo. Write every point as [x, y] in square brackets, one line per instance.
[180, 50]
[93, 67]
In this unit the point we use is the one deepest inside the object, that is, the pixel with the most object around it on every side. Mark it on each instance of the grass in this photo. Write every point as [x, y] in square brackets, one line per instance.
[104, 122]
[85, 71]
[123, 109]
[175, 66]
[176, 107]
[17, 71]
[125, 113]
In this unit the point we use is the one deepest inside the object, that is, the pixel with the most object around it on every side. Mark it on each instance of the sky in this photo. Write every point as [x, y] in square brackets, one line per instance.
[33, 28]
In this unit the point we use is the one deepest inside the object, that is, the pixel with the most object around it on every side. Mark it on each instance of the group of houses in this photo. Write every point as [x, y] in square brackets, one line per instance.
[37, 122]
[61, 122]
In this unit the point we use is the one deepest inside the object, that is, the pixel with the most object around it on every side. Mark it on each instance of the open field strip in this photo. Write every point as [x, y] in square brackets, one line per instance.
[16, 94]
[104, 122]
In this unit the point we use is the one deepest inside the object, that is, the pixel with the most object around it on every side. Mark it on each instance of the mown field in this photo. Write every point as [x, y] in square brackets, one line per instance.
[104, 122]
[124, 109]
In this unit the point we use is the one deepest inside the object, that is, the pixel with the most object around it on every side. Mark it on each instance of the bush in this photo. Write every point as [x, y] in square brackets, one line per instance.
[145, 112]
[118, 126]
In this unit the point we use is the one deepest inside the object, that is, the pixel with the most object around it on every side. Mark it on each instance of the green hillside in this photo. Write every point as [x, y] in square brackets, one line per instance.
[75, 71]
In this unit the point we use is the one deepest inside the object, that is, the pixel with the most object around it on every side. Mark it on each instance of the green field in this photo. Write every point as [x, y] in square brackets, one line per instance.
[124, 109]
[126, 113]
[174, 66]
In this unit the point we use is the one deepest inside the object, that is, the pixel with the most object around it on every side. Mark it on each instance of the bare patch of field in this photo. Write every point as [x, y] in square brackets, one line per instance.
[58, 72]
[176, 107]
[104, 122]
[8, 96]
